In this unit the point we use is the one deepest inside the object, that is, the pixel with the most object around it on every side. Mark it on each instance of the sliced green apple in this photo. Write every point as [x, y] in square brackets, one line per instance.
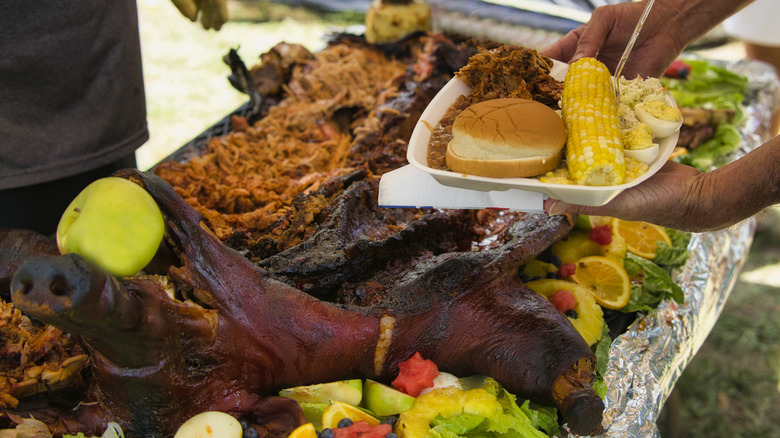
[385, 400]
[489, 384]
[113, 223]
[313, 413]
[345, 391]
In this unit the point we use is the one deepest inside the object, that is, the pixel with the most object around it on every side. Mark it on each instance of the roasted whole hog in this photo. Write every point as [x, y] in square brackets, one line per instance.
[215, 331]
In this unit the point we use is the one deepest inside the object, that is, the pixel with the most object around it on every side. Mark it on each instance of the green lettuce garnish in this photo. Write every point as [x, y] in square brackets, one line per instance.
[713, 152]
[675, 255]
[656, 275]
[515, 421]
[656, 286]
[709, 86]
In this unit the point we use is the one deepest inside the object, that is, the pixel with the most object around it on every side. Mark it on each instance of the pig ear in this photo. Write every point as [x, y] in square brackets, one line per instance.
[276, 416]
[171, 204]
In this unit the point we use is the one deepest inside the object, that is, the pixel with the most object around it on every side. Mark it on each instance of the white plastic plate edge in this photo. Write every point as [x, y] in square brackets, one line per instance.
[576, 194]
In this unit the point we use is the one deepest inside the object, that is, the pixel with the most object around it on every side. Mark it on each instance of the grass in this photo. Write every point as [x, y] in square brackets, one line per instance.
[731, 387]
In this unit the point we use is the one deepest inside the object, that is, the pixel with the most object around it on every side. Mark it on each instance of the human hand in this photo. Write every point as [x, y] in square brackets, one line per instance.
[667, 198]
[608, 31]
[213, 13]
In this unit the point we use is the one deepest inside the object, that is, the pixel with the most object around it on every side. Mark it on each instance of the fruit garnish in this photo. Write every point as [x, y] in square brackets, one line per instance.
[447, 403]
[566, 270]
[347, 391]
[615, 249]
[338, 411]
[641, 237]
[606, 279]
[304, 431]
[564, 300]
[536, 269]
[384, 400]
[601, 234]
[678, 69]
[415, 374]
[210, 424]
[444, 380]
[363, 430]
[312, 412]
[576, 245]
[589, 320]
[113, 223]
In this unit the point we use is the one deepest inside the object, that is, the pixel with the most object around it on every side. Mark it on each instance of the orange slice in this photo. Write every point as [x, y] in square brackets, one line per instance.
[304, 431]
[606, 279]
[641, 237]
[338, 411]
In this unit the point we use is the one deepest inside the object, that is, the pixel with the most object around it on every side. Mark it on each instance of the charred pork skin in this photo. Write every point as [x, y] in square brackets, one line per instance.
[218, 332]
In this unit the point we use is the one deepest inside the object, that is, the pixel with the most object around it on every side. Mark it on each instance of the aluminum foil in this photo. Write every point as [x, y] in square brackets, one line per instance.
[646, 361]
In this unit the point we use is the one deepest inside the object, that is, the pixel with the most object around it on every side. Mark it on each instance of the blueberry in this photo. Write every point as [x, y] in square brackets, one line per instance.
[571, 314]
[250, 432]
[327, 433]
[344, 422]
[389, 420]
[555, 260]
[391, 435]
[244, 424]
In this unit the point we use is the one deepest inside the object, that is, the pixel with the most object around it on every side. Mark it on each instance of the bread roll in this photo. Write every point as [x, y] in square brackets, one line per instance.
[506, 138]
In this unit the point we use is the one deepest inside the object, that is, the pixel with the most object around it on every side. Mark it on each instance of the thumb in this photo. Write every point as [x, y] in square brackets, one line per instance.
[188, 8]
[554, 207]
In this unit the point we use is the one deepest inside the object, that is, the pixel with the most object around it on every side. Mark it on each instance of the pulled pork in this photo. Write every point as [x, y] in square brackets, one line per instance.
[35, 358]
[512, 71]
[249, 178]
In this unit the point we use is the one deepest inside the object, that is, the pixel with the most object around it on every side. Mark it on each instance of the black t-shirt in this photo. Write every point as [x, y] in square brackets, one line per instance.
[71, 87]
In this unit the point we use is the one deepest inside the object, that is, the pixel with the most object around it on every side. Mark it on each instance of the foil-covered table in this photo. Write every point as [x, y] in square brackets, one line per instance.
[648, 359]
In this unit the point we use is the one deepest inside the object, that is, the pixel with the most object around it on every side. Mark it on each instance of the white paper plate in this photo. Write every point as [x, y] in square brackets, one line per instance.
[574, 194]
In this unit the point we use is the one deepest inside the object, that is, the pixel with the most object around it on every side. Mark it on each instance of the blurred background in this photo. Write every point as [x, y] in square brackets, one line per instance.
[730, 389]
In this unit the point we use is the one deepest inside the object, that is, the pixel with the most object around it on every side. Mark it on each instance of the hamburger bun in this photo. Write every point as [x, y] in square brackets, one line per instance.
[506, 138]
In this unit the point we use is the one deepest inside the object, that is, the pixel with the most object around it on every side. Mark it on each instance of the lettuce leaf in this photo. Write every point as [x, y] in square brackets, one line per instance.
[714, 152]
[459, 425]
[657, 285]
[516, 421]
[602, 352]
[709, 86]
[676, 255]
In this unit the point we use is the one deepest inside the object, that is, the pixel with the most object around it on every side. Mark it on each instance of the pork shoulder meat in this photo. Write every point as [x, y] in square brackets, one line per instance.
[217, 332]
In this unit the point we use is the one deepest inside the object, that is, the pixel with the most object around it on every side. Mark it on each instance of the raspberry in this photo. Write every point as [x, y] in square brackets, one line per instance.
[564, 300]
[601, 234]
[567, 270]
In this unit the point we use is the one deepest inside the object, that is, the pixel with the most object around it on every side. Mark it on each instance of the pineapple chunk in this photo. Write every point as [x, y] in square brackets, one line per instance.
[589, 318]
[445, 402]
[578, 244]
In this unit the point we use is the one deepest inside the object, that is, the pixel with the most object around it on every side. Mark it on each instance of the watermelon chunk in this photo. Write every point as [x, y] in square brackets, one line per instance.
[415, 374]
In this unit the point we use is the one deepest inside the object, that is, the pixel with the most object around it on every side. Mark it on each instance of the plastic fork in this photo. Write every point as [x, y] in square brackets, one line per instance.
[629, 46]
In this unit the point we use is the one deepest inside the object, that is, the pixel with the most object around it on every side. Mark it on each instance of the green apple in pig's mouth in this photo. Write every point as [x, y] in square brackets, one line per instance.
[113, 223]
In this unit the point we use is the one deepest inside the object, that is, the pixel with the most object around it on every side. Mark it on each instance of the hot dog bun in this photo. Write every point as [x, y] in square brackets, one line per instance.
[506, 138]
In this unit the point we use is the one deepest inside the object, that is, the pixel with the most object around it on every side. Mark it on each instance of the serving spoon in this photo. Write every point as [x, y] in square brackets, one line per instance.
[629, 46]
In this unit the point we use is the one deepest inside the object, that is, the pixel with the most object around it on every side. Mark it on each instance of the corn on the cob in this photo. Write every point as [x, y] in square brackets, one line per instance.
[594, 148]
